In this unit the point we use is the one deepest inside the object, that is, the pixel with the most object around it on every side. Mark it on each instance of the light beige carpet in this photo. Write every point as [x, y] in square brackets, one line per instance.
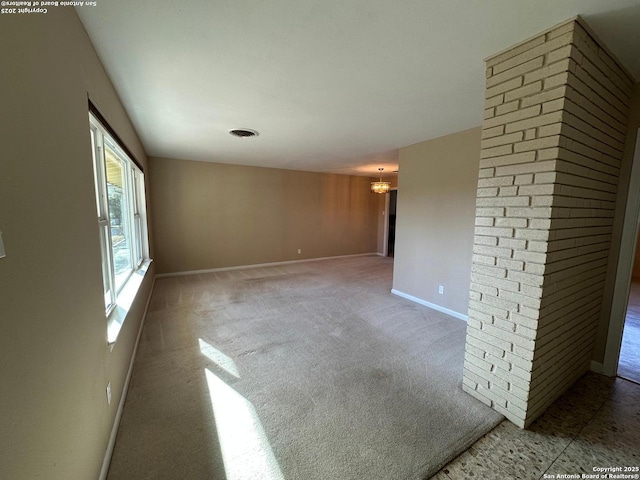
[307, 371]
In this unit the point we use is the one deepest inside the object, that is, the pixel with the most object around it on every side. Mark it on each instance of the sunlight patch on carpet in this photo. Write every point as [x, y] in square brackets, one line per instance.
[219, 358]
[246, 451]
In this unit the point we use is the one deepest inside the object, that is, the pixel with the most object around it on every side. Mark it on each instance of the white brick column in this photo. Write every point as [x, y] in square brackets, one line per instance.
[552, 141]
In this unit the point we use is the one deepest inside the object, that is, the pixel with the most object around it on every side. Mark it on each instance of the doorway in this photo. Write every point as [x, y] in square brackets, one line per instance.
[621, 355]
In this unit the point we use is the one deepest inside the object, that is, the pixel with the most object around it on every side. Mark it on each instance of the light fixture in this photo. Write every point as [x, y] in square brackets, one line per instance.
[380, 186]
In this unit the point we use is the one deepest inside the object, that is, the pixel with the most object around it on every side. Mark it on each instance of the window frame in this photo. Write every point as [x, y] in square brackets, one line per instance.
[134, 213]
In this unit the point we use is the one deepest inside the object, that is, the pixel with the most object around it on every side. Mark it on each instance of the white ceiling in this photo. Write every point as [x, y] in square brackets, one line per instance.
[331, 85]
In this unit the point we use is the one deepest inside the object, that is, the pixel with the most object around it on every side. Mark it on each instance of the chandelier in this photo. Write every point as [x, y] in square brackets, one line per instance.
[380, 186]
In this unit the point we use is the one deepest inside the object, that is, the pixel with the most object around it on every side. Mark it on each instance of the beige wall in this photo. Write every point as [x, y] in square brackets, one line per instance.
[630, 148]
[54, 357]
[435, 218]
[209, 215]
[381, 224]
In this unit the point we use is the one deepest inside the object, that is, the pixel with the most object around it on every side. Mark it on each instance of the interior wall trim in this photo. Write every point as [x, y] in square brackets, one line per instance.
[116, 422]
[258, 265]
[433, 306]
[597, 367]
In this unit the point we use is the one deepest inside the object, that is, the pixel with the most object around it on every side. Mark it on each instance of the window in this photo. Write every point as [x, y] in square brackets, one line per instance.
[121, 212]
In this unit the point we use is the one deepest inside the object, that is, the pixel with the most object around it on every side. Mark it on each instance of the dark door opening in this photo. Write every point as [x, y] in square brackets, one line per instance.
[391, 237]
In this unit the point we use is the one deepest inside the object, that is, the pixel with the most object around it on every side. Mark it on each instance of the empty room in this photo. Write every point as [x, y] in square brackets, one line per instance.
[319, 240]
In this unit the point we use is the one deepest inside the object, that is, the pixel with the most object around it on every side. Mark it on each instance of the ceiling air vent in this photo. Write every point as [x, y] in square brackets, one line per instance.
[243, 132]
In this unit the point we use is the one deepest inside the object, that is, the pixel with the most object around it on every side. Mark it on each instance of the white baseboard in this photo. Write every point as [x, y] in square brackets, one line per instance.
[258, 265]
[116, 422]
[597, 367]
[430, 305]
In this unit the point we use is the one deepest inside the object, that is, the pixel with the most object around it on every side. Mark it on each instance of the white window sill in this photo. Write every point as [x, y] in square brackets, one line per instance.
[125, 299]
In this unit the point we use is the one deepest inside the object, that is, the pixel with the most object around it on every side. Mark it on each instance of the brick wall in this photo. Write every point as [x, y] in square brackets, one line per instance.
[555, 121]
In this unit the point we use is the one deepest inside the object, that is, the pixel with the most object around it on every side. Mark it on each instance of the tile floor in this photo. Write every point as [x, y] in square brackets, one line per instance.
[594, 424]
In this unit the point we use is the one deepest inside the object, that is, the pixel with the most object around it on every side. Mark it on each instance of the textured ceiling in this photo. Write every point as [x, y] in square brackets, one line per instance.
[333, 86]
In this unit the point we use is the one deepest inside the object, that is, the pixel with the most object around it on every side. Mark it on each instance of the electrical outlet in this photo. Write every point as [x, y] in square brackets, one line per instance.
[109, 393]
[299, 251]
[441, 289]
